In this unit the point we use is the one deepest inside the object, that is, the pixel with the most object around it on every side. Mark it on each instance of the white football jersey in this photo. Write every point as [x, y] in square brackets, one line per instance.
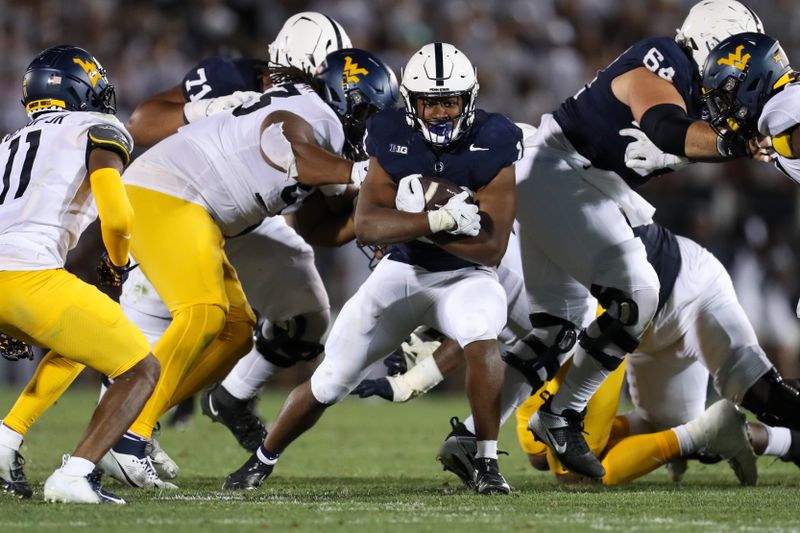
[218, 162]
[780, 113]
[45, 196]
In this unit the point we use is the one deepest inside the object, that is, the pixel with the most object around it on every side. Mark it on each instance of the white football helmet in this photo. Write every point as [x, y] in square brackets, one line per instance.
[439, 70]
[305, 39]
[710, 22]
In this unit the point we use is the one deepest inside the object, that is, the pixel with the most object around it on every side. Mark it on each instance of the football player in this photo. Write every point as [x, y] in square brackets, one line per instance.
[294, 312]
[61, 171]
[579, 209]
[439, 270]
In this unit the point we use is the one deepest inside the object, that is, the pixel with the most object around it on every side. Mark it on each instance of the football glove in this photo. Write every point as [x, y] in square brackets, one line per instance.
[359, 172]
[374, 387]
[410, 196]
[199, 109]
[465, 218]
[111, 275]
[644, 157]
[14, 349]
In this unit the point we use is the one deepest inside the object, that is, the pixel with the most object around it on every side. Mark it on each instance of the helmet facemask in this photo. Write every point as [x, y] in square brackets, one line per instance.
[445, 131]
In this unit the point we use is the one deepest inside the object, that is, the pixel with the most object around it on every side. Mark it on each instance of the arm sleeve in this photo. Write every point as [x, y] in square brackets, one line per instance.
[115, 213]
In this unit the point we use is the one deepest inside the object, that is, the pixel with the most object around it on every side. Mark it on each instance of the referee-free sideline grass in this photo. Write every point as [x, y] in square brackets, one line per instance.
[369, 466]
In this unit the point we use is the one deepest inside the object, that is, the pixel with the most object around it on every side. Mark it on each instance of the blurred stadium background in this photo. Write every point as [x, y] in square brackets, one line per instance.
[530, 55]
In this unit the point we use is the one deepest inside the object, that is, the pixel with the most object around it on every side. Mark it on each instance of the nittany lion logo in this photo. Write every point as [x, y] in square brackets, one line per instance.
[352, 70]
[91, 69]
[735, 59]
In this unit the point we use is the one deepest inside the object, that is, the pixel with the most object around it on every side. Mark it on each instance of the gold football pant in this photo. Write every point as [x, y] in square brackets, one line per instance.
[81, 325]
[179, 247]
[625, 457]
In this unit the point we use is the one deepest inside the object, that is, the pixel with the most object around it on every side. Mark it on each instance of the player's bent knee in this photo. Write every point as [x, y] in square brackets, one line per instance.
[202, 321]
[327, 392]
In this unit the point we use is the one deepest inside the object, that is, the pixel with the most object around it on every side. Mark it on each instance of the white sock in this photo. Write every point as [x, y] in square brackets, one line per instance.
[249, 374]
[583, 379]
[687, 443]
[10, 438]
[77, 466]
[487, 449]
[469, 423]
[263, 457]
[779, 440]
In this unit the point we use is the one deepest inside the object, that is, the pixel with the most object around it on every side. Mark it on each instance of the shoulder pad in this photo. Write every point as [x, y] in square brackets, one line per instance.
[108, 137]
[220, 76]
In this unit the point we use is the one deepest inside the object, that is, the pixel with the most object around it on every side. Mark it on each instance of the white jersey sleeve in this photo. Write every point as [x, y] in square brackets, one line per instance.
[782, 112]
[45, 198]
[218, 162]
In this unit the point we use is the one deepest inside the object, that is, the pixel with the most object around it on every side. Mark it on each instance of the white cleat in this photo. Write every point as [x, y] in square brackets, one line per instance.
[723, 428]
[63, 488]
[162, 462]
[134, 471]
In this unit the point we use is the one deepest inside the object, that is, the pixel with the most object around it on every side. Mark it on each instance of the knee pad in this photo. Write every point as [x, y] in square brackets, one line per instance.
[773, 401]
[543, 357]
[286, 343]
[616, 332]
[328, 392]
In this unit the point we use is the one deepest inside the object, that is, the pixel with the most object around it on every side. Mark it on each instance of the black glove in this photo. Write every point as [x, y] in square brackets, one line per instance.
[109, 274]
[731, 144]
[14, 349]
[374, 387]
[395, 363]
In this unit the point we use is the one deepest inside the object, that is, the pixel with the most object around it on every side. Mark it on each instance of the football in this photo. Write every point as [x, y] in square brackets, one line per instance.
[438, 191]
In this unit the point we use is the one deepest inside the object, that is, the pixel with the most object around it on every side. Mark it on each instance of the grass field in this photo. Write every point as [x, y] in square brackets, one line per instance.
[369, 466]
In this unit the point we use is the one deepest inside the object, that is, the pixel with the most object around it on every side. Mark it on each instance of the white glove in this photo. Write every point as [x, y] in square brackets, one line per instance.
[198, 109]
[645, 157]
[410, 196]
[456, 217]
[359, 172]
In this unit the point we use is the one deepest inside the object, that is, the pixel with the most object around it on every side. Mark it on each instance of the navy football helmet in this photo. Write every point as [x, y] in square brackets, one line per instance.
[355, 84]
[67, 78]
[739, 76]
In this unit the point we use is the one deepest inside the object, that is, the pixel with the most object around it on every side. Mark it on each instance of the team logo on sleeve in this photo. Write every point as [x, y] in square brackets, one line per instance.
[351, 70]
[90, 68]
[735, 59]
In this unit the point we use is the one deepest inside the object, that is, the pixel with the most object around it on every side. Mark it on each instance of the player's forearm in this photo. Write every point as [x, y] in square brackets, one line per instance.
[381, 225]
[485, 249]
[115, 213]
[332, 230]
[155, 120]
[701, 142]
[316, 166]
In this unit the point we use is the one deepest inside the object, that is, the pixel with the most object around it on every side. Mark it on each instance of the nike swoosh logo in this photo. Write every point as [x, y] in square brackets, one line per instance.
[211, 407]
[473, 148]
[559, 448]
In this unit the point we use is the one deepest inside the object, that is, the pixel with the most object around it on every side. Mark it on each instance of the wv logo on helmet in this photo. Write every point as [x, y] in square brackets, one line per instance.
[735, 59]
[351, 70]
[91, 69]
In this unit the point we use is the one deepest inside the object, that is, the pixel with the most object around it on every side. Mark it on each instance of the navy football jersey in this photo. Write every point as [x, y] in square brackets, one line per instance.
[493, 143]
[220, 76]
[592, 118]
[664, 255]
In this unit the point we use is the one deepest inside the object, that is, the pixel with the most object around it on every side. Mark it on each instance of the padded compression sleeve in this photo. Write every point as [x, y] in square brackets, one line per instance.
[666, 125]
[115, 213]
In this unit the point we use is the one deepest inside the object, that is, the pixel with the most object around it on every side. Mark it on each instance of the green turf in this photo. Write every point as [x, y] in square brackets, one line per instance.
[370, 466]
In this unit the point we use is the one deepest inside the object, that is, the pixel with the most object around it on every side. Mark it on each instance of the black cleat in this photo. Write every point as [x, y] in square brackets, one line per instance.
[457, 453]
[488, 479]
[12, 476]
[182, 415]
[239, 416]
[249, 476]
[564, 435]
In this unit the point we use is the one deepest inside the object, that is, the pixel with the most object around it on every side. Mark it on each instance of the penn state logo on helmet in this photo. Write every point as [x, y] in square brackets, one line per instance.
[711, 21]
[356, 84]
[440, 71]
[69, 78]
[739, 76]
